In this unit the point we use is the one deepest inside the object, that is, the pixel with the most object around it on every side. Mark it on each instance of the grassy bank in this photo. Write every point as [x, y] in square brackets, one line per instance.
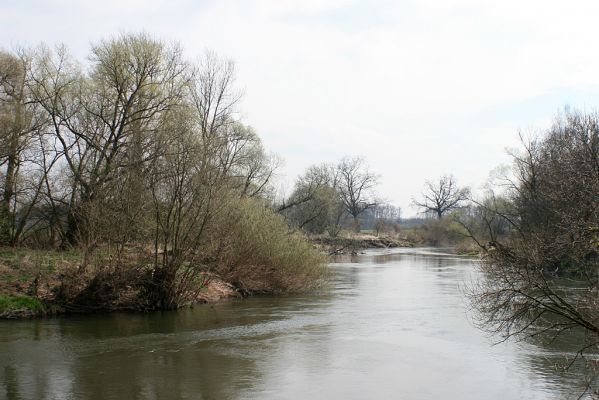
[20, 307]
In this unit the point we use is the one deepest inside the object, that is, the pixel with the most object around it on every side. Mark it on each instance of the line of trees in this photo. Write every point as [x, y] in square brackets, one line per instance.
[138, 146]
[328, 197]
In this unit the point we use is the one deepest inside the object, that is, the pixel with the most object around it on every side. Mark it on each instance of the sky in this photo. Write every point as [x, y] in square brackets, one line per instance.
[418, 88]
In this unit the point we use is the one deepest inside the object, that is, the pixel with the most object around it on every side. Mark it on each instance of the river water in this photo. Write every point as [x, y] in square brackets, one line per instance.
[394, 324]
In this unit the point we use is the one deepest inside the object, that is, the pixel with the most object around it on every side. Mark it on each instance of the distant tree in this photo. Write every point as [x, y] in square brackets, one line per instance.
[441, 197]
[315, 204]
[308, 205]
[356, 183]
[380, 225]
[387, 212]
[326, 195]
[308, 185]
[386, 216]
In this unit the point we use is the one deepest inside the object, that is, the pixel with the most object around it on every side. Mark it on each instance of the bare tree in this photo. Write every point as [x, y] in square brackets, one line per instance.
[98, 119]
[385, 216]
[205, 160]
[542, 279]
[212, 93]
[356, 183]
[21, 129]
[441, 197]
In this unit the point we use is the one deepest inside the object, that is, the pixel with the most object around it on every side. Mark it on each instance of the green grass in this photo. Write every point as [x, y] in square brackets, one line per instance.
[17, 303]
[17, 254]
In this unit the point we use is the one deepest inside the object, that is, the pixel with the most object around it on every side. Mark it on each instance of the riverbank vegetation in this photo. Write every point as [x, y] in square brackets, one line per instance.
[136, 166]
[536, 228]
[328, 198]
[553, 217]
[443, 204]
[20, 306]
[538, 231]
[336, 206]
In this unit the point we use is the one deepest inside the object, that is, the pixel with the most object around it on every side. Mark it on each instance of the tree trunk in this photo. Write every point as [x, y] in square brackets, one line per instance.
[7, 217]
[356, 224]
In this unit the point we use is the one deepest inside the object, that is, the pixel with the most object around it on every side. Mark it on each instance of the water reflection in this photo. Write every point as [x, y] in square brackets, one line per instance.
[392, 325]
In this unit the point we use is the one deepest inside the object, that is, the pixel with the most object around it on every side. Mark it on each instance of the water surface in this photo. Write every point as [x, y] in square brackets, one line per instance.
[394, 324]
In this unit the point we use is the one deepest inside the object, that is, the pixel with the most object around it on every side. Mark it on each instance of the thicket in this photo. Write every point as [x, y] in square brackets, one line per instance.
[136, 159]
[444, 232]
[330, 197]
[542, 278]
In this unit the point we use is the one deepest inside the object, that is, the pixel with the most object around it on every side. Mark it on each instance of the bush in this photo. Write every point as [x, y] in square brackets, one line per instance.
[437, 232]
[256, 252]
[246, 243]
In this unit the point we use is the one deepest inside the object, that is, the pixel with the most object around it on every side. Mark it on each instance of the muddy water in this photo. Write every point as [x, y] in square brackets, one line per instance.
[392, 325]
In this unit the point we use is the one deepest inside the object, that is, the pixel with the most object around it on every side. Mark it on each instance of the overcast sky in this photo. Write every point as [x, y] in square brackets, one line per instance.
[419, 88]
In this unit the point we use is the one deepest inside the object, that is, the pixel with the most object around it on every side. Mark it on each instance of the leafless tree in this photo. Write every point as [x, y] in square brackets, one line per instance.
[385, 216]
[487, 221]
[441, 197]
[213, 93]
[356, 184]
[98, 119]
[21, 131]
[542, 280]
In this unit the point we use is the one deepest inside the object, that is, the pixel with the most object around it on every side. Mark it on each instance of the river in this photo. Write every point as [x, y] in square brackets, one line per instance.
[394, 324]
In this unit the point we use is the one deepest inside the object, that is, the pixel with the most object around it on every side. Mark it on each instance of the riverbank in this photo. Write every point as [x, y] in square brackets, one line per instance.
[35, 283]
[21, 306]
[41, 283]
[354, 243]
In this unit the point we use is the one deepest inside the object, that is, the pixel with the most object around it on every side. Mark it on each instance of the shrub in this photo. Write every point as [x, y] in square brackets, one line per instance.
[437, 232]
[256, 252]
